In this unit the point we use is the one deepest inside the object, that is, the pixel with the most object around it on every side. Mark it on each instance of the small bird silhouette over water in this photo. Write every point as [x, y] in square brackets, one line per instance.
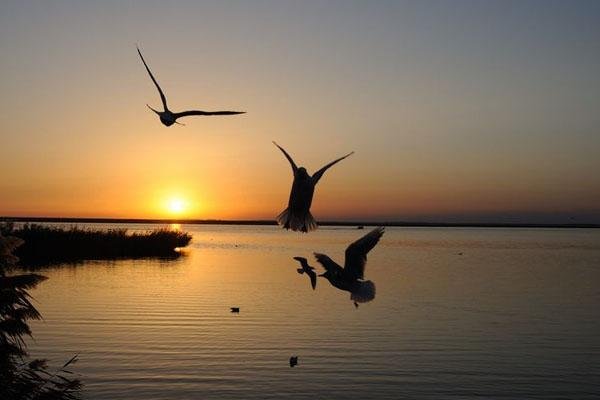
[167, 117]
[308, 270]
[350, 278]
[297, 216]
[293, 361]
[235, 309]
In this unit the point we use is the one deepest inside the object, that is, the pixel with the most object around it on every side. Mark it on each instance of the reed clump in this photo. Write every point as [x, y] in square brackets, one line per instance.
[49, 244]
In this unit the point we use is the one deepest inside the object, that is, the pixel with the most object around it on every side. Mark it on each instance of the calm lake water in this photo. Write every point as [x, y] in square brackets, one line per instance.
[516, 316]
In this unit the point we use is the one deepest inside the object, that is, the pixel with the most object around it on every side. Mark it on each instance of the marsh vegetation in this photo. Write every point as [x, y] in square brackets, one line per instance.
[45, 244]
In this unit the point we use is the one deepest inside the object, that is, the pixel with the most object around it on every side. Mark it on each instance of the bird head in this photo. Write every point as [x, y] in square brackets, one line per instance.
[302, 172]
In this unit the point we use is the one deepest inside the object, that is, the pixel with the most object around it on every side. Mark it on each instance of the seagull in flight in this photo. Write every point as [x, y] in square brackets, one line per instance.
[297, 216]
[351, 277]
[308, 270]
[167, 117]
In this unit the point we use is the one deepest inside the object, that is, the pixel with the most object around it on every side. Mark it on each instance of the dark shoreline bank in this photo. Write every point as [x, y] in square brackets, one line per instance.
[268, 222]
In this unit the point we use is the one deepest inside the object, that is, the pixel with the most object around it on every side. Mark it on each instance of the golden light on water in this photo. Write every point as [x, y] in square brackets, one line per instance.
[175, 227]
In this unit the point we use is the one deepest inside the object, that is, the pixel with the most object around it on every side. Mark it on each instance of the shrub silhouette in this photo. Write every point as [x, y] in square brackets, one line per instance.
[22, 380]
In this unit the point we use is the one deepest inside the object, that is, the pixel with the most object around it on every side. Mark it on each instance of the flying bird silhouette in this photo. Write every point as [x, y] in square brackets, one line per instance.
[293, 361]
[351, 277]
[297, 216]
[167, 117]
[308, 270]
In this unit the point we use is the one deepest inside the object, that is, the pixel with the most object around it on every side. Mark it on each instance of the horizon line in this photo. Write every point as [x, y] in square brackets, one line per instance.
[398, 223]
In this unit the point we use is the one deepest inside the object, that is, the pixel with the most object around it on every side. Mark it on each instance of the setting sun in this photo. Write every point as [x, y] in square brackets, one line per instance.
[176, 205]
[178, 200]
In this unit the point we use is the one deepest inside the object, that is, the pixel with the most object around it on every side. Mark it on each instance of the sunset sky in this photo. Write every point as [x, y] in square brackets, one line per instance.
[457, 110]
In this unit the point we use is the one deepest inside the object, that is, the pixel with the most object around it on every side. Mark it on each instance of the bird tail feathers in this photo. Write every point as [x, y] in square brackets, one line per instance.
[303, 223]
[365, 292]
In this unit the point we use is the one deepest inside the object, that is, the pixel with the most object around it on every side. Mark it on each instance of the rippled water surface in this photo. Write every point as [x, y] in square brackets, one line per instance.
[459, 313]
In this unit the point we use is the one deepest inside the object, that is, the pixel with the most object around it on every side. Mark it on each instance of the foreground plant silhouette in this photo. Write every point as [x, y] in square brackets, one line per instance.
[21, 379]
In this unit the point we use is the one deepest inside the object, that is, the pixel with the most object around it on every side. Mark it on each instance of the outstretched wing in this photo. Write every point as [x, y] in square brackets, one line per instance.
[292, 163]
[162, 95]
[328, 263]
[313, 278]
[197, 112]
[317, 175]
[356, 253]
[303, 262]
[308, 269]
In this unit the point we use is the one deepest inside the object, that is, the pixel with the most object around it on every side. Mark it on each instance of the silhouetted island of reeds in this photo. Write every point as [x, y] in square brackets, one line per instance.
[50, 245]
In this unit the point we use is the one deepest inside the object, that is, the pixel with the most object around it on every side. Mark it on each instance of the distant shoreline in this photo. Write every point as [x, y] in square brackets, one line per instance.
[268, 222]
